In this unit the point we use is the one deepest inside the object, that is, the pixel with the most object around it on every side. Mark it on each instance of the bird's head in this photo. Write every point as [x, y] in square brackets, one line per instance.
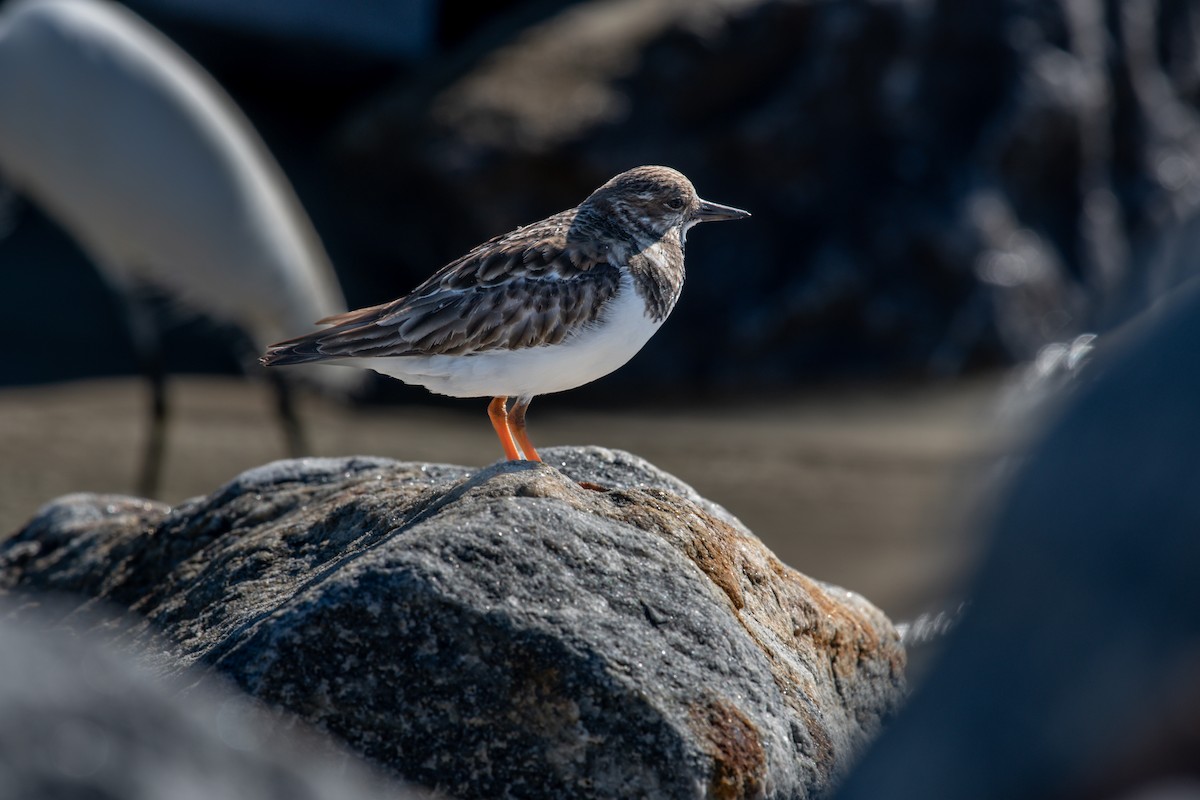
[655, 201]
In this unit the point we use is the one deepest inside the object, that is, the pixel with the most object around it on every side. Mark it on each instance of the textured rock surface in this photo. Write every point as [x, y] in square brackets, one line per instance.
[80, 721]
[934, 184]
[497, 633]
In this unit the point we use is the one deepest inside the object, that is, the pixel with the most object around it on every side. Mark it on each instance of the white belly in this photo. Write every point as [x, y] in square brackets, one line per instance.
[592, 353]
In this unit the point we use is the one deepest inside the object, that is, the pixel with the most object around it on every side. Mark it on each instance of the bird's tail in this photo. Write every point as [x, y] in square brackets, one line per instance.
[322, 345]
[301, 350]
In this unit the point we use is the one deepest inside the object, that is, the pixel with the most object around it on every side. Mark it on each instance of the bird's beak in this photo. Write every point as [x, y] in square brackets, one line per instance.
[714, 212]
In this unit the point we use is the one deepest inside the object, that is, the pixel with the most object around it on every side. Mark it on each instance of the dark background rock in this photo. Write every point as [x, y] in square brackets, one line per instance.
[936, 186]
[502, 632]
[80, 720]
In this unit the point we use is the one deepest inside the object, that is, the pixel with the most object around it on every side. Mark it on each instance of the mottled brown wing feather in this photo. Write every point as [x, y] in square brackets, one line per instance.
[350, 316]
[524, 289]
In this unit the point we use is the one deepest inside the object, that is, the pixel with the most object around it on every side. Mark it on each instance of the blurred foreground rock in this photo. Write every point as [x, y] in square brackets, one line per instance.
[935, 185]
[1075, 671]
[80, 721]
[504, 632]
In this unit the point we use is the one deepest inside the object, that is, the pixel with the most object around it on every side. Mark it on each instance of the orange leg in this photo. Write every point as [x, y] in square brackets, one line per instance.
[516, 422]
[498, 413]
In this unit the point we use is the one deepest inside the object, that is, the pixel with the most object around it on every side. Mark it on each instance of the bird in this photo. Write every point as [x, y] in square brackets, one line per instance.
[545, 308]
[141, 157]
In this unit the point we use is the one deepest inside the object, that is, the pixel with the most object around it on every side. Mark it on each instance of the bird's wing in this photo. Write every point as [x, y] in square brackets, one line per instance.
[525, 289]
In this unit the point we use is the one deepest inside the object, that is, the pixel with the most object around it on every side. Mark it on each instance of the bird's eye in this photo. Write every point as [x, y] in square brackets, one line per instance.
[675, 203]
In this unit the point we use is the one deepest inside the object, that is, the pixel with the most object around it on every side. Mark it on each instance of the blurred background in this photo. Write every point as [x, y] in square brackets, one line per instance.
[940, 190]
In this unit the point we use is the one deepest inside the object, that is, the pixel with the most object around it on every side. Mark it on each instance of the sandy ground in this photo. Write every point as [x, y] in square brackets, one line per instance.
[868, 489]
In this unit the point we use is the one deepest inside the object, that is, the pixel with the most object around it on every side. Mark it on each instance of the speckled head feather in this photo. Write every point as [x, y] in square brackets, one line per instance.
[536, 286]
[648, 202]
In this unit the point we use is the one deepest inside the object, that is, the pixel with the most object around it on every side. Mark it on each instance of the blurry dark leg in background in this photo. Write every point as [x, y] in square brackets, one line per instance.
[285, 407]
[283, 386]
[147, 349]
[142, 319]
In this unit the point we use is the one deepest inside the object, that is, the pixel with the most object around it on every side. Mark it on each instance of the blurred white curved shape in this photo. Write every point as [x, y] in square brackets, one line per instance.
[137, 152]
[142, 158]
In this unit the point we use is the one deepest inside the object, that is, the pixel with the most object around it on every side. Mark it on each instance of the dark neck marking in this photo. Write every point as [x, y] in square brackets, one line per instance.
[658, 275]
[654, 256]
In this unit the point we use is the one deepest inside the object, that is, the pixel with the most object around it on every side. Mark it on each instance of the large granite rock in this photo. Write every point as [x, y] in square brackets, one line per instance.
[935, 185]
[80, 720]
[496, 633]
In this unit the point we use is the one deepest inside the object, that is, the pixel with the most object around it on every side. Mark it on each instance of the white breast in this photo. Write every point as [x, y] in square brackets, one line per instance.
[592, 353]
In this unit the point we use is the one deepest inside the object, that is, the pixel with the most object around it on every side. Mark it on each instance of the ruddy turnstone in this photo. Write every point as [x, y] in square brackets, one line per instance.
[545, 308]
